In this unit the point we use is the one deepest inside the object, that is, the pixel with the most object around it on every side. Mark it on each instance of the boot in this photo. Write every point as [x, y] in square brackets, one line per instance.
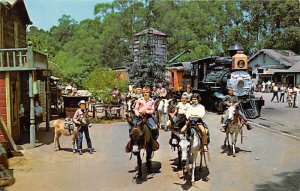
[155, 133]
[128, 147]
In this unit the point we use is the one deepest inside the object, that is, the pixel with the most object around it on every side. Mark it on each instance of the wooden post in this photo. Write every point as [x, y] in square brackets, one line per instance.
[8, 103]
[47, 103]
[30, 56]
[32, 117]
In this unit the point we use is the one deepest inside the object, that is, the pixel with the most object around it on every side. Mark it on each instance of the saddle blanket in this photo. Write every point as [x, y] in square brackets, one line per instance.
[69, 124]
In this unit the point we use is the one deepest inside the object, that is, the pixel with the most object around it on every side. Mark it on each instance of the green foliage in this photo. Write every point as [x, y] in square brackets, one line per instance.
[106, 41]
[101, 81]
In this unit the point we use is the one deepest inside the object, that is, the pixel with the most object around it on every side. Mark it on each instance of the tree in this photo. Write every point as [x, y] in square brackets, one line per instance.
[101, 81]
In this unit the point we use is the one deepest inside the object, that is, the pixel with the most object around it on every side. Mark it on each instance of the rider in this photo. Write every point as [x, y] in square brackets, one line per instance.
[82, 127]
[138, 93]
[179, 116]
[145, 106]
[196, 110]
[161, 91]
[188, 92]
[154, 94]
[230, 100]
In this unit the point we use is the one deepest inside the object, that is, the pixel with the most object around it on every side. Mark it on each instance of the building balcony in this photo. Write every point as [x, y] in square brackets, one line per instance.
[16, 59]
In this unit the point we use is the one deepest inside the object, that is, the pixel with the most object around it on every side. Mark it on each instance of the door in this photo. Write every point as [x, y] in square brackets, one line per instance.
[14, 103]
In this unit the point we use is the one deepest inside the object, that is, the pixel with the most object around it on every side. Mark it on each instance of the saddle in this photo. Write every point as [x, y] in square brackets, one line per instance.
[69, 125]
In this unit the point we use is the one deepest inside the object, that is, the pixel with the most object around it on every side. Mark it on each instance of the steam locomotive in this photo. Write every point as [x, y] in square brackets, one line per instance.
[211, 76]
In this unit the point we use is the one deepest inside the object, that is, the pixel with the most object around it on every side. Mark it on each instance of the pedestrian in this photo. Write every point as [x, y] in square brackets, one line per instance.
[38, 113]
[273, 84]
[259, 86]
[282, 93]
[263, 89]
[290, 92]
[21, 118]
[275, 93]
[269, 83]
[296, 97]
[82, 128]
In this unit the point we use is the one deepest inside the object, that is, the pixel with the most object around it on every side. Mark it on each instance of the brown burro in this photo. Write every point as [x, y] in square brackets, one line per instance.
[65, 127]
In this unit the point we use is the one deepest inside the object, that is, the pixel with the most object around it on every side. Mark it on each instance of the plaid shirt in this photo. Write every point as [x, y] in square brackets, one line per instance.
[143, 105]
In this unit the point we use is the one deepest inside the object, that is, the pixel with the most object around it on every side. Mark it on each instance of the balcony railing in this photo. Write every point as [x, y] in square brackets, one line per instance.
[22, 59]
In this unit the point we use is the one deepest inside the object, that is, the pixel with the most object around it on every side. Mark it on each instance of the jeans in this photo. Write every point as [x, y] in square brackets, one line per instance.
[84, 129]
[150, 120]
[275, 94]
[281, 97]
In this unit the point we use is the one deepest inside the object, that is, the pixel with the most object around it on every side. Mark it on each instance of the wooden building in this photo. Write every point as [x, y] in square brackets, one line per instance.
[179, 75]
[23, 71]
[279, 66]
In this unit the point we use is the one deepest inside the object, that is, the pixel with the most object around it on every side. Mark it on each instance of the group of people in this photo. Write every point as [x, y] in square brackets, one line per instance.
[282, 93]
[290, 92]
[68, 89]
[188, 107]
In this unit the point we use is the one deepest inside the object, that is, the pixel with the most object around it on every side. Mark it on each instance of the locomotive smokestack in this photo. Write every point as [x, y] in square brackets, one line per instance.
[233, 49]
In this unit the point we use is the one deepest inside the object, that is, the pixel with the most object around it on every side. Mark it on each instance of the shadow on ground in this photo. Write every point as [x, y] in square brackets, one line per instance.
[156, 166]
[43, 137]
[289, 181]
[200, 174]
[227, 150]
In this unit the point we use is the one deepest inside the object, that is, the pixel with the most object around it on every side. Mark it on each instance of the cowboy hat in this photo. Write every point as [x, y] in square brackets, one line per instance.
[136, 89]
[81, 102]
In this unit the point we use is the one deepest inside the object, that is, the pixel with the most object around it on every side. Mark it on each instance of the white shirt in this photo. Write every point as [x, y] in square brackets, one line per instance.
[196, 110]
[275, 89]
[130, 88]
[182, 108]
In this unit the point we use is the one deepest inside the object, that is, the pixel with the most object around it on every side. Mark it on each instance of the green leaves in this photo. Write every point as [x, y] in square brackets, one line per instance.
[101, 81]
[106, 41]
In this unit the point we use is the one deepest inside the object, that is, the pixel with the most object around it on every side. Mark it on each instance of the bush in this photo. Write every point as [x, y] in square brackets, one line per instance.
[101, 81]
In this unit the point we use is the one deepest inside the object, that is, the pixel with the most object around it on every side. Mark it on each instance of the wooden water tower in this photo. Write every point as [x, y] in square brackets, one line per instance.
[157, 42]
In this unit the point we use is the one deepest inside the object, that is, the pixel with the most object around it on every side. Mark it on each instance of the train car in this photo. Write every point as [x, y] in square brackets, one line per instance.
[211, 76]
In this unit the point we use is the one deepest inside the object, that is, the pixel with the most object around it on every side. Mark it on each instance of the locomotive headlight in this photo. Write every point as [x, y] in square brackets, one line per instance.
[240, 84]
[241, 63]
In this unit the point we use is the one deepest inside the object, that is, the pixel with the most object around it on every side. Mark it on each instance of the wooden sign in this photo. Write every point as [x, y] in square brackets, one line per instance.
[7, 135]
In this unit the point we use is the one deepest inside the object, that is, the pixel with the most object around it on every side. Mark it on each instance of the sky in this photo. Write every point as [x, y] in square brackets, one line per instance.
[45, 13]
